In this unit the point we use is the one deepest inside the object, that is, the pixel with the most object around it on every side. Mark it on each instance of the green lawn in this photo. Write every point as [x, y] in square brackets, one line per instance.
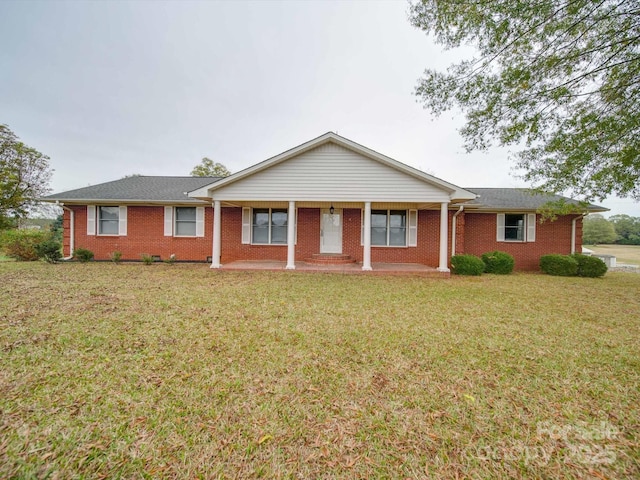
[133, 371]
[629, 254]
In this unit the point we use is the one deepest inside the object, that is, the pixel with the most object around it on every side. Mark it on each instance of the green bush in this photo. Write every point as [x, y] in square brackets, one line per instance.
[49, 250]
[467, 265]
[498, 262]
[589, 266]
[171, 260]
[83, 255]
[115, 256]
[147, 259]
[560, 265]
[21, 244]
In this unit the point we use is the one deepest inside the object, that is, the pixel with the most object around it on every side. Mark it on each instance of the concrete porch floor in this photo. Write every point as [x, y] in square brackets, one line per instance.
[412, 269]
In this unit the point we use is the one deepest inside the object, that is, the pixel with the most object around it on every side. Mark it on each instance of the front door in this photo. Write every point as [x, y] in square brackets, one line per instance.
[331, 231]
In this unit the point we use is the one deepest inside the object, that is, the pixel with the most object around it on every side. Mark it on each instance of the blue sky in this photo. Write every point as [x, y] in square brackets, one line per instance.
[108, 89]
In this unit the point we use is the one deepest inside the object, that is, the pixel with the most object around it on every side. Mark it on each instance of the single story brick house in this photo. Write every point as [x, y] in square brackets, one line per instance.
[327, 200]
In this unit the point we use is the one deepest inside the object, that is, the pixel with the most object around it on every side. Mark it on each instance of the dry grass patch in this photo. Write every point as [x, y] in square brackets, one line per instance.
[623, 253]
[180, 372]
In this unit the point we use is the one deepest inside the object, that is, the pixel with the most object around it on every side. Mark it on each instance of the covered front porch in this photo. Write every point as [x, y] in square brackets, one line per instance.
[363, 235]
[332, 195]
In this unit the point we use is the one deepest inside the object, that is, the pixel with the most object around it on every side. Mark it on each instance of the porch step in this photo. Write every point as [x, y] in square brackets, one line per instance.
[329, 259]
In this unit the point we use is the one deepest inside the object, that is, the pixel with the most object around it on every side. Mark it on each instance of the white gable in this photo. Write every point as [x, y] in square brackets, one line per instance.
[331, 172]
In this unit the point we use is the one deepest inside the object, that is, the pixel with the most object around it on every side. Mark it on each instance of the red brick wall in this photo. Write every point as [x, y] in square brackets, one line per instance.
[233, 249]
[476, 234]
[551, 237]
[145, 234]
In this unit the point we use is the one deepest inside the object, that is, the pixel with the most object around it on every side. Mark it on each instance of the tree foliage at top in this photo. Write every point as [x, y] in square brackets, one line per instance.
[209, 168]
[24, 177]
[559, 79]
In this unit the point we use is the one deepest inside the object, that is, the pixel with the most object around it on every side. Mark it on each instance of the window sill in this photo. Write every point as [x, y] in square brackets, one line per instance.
[268, 244]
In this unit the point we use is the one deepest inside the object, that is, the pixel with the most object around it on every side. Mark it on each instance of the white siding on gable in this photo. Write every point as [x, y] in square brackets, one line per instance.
[328, 173]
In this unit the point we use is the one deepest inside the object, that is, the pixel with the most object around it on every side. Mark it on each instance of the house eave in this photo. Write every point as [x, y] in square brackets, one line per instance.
[122, 201]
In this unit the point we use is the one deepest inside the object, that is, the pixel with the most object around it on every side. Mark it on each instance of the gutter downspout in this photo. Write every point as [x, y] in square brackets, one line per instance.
[573, 231]
[72, 228]
[454, 222]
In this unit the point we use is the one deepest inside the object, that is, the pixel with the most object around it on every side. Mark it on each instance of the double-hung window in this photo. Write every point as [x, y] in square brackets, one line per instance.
[108, 220]
[269, 226]
[516, 227]
[389, 228]
[185, 222]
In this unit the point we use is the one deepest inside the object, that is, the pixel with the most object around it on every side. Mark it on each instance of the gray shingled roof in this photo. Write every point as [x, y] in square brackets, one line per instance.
[173, 189]
[140, 188]
[518, 199]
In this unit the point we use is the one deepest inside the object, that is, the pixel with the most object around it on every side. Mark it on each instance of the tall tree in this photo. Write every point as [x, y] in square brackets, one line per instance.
[627, 228]
[209, 168]
[597, 229]
[24, 177]
[558, 79]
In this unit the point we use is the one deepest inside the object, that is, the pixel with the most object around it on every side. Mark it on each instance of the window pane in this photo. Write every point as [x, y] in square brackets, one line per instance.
[398, 218]
[109, 227]
[109, 213]
[379, 218]
[186, 228]
[514, 227]
[261, 217]
[378, 236]
[186, 214]
[398, 236]
[278, 234]
[279, 218]
[108, 220]
[260, 234]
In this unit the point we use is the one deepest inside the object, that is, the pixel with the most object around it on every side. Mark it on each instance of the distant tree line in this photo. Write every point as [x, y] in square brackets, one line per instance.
[620, 229]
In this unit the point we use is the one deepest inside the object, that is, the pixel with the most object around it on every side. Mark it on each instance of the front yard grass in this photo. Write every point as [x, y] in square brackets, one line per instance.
[132, 371]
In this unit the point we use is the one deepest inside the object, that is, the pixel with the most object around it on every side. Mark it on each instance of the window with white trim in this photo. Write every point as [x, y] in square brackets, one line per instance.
[516, 227]
[269, 226]
[108, 220]
[185, 222]
[389, 228]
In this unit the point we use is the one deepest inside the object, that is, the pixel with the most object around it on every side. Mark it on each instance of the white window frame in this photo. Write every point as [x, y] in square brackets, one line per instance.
[176, 221]
[97, 220]
[270, 225]
[411, 227]
[171, 219]
[528, 228]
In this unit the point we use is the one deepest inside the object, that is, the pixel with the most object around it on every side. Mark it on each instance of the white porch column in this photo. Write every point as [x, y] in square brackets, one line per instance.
[291, 237]
[366, 254]
[217, 235]
[444, 227]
